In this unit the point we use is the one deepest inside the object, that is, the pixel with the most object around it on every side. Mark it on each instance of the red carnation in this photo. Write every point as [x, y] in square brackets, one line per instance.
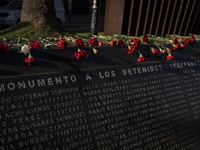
[4, 48]
[187, 42]
[83, 52]
[136, 42]
[35, 45]
[181, 40]
[79, 43]
[62, 44]
[80, 54]
[30, 61]
[120, 43]
[182, 47]
[95, 51]
[145, 39]
[170, 50]
[193, 37]
[93, 42]
[176, 47]
[100, 43]
[155, 51]
[113, 43]
[174, 41]
[130, 52]
[132, 49]
[170, 57]
[141, 59]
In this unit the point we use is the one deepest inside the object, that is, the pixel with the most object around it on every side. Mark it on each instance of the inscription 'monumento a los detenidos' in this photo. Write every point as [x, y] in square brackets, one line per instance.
[151, 106]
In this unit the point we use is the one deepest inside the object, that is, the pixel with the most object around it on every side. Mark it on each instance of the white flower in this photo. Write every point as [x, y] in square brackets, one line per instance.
[164, 51]
[47, 46]
[25, 49]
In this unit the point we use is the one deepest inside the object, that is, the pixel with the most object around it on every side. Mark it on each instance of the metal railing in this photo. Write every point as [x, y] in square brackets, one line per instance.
[155, 17]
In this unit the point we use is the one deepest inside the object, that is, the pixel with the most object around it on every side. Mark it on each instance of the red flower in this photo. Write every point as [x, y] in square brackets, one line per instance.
[100, 43]
[93, 42]
[62, 44]
[155, 51]
[170, 57]
[81, 54]
[30, 61]
[131, 50]
[193, 37]
[181, 40]
[113, 43]
[170, 50]
[79, 43]
[35, 45]
[78, 55]
[174, 41]
[176, 47]
[182, 47]
[145, 39]
[4, 48]
[136, 42]
[141, 59]
[187, 42]
[120, 43]
[95, 51]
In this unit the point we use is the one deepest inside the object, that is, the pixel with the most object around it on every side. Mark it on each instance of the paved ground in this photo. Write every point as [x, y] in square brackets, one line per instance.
[79, 24]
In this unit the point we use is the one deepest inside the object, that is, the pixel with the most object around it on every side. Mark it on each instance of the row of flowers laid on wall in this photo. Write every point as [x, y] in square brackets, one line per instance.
[157, 49]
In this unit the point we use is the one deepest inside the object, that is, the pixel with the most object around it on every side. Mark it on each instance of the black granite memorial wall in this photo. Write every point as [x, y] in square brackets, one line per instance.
[128, 107]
